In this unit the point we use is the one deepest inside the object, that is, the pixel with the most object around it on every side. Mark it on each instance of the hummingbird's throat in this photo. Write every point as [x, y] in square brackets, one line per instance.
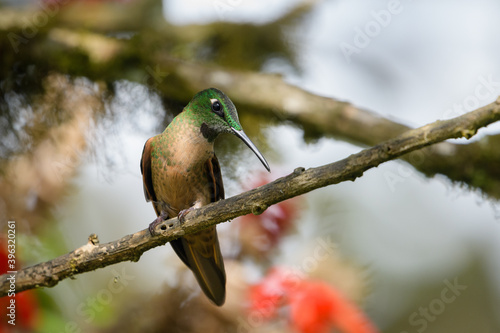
[208, 133]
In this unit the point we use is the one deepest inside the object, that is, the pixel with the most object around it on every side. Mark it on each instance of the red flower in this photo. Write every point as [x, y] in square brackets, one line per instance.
[271, 293]
[314, 306]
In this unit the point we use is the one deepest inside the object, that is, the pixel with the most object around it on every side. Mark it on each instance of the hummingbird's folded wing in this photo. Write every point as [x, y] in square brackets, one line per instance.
[215, 179]
[147, 178]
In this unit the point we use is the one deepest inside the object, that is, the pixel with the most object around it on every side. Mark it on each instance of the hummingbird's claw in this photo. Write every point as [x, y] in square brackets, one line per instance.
[154, 224]
[183, 213]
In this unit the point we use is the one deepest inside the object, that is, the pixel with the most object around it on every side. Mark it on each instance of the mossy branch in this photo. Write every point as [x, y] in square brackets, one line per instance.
[94, 255]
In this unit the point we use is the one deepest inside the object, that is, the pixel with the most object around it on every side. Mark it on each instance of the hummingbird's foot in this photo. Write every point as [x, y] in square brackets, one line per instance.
[155, 223]
[183, 213]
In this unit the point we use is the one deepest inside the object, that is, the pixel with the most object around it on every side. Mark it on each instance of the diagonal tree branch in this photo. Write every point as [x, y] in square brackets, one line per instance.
[93, 255]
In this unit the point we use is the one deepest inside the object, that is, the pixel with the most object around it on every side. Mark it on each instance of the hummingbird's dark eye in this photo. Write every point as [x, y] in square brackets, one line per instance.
[217, 108]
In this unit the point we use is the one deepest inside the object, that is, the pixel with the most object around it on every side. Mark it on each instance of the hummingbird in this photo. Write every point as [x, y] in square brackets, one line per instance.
[180, 173]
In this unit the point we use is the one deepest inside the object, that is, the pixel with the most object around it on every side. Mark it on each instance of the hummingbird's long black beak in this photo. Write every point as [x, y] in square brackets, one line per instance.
[240, 134]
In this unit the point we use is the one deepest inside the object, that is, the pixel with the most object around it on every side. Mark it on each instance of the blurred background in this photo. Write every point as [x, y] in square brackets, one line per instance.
[85, 83]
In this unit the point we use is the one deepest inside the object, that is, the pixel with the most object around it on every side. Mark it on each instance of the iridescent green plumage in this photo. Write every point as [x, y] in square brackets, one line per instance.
[181, 172]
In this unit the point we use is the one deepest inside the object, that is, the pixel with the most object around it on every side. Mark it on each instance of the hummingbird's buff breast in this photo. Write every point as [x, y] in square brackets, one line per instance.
[180, 178]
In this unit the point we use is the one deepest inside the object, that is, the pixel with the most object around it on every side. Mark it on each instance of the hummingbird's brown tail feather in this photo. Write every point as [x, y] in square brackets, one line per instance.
[205, 261]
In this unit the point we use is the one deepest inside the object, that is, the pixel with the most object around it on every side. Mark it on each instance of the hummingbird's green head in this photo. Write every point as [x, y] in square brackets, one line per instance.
[217, 114]
[215, 111]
